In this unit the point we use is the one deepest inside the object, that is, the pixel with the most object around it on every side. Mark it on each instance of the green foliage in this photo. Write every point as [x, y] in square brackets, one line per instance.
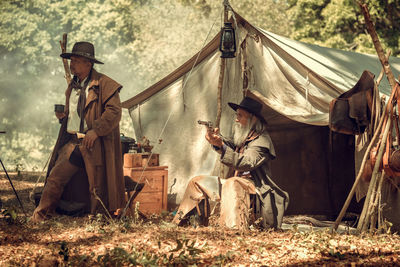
[40, 23]
[187, 253]
[140, 41]
[97, 224]
[10, 215]
[64, 251]
[120, 257]
[222, 259]
[340, 24]
[18, 166]
[269, 15]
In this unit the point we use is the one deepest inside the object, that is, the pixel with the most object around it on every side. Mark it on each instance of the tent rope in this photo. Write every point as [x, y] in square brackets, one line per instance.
[170, 114]
[307, 84]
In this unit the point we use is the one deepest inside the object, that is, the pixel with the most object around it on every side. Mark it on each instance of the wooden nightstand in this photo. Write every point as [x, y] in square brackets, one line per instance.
[153, 197]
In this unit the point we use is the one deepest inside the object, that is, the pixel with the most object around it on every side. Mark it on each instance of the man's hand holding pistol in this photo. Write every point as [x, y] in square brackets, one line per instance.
[213, 136]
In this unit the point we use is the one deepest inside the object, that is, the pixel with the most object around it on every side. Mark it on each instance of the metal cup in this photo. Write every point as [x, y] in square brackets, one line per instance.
[59, 108]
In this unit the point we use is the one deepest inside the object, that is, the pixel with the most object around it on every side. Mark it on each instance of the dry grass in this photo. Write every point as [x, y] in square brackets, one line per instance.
[93, 241]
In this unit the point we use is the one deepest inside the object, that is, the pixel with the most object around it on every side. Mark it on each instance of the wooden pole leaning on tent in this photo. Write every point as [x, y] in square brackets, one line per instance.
[219, 92]
[371, 195]
[362, 223]
[368, 208]
[378, 47]
[392, 82]
[377, 128]
[221, 79]
[358, 178]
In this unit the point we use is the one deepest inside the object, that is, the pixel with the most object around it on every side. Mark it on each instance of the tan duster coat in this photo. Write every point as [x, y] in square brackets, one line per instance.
[103, 163]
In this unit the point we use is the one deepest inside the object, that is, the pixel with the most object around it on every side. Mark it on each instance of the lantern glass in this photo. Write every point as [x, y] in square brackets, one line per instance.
[228, 41]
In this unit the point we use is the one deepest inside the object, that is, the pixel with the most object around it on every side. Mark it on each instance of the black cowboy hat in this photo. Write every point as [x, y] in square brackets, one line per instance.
[250, 105]
[82, 49]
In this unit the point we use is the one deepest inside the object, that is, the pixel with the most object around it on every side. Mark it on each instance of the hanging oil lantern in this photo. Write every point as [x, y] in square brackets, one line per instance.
[228, 41]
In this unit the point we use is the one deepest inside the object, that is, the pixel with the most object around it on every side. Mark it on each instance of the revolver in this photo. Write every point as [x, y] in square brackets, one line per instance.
[208, 124]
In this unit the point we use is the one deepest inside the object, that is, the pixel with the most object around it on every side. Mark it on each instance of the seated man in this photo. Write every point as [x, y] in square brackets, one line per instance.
[89, 138]
[248, 155]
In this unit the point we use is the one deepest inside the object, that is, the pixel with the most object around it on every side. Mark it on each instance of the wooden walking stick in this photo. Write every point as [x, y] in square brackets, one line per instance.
[68, 78]
[67, 70]
[63, 45]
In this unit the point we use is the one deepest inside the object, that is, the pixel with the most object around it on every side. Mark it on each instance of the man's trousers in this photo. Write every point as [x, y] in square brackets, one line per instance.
[59, 176]
[233, 194]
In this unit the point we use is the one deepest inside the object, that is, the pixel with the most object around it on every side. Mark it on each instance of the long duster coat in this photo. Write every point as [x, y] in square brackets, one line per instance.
[103, 163]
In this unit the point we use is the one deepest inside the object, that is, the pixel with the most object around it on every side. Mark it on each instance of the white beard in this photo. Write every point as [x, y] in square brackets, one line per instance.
[240, 133]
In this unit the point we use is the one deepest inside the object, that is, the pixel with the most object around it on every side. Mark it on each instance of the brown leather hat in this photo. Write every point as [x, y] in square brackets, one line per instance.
[82, 49]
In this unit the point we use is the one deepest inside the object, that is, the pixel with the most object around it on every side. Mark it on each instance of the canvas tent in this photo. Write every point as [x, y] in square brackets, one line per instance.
[294, 80]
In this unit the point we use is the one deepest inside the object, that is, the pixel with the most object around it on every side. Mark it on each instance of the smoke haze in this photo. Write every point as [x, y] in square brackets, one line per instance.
[139, 41]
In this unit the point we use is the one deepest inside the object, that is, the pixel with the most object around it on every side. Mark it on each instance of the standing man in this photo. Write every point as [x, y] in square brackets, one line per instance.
[89, 137]
[248, 155]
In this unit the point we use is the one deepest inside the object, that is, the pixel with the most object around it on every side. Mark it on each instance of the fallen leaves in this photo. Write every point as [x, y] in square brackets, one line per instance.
[93, 241]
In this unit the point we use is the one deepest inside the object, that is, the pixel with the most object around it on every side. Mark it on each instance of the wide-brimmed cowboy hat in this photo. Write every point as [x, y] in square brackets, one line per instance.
[250, 105]
[82, 49]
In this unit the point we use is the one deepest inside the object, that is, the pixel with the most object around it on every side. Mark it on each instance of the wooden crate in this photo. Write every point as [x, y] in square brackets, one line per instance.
[133, 160]
[153, 197]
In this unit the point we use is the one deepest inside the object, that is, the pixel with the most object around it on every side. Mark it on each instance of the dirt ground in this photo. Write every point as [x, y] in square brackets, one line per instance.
[97, 241]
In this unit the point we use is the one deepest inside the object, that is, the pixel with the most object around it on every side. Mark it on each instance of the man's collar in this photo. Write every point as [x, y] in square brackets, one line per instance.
[252, 135]
[94, 75]
[81, 84]
[84, 80]
[94, 81]
[76, 78]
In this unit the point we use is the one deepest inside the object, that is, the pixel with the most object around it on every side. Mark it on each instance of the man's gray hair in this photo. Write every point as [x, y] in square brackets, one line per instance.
[259, 126]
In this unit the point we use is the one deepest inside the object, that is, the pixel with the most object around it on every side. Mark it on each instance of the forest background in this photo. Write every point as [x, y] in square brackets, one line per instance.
[141, 41]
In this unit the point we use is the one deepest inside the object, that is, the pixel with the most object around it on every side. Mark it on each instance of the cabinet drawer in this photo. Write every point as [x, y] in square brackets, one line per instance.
[153, 181]
[132, 160]
[150, 208]
[150, 202]
[153, 197]
[149, 197]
